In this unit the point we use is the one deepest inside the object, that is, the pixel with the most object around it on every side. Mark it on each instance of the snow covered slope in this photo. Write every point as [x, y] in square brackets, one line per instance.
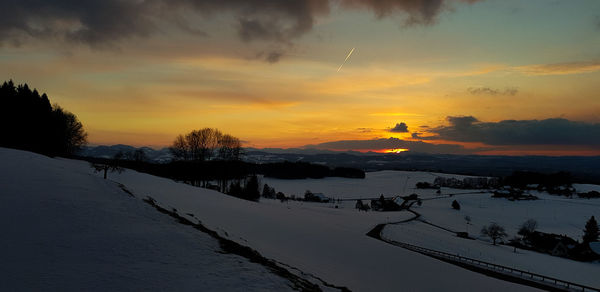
[64, 229]
[326, 242]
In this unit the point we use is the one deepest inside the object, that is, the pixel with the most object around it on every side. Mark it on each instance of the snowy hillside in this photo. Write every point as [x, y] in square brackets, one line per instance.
[64, 229]
[327, 243]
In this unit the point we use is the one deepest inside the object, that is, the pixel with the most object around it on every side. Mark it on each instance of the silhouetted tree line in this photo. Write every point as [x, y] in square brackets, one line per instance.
[557, 244]
[231, 176]
[270, 193]
[589, 195]
[549, 181]
[302, 170]
[206, 144]
[426, 185]
[248, 191]
[207, 156]
[31, 123]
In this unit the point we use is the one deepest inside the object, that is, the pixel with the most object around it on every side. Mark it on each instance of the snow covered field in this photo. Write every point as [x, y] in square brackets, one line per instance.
[553, 214]
[326, 242]
[64, 229]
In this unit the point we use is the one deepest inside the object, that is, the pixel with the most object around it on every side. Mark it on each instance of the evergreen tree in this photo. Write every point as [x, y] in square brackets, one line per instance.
[455, 205]
[29, 122]
[590, 233]
[251, 191]
[268, 192]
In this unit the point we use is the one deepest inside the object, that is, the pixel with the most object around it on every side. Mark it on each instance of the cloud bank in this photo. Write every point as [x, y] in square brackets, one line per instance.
[559, 68]
[102, 22]
[556, 131]
[484, 90]
[416, 11]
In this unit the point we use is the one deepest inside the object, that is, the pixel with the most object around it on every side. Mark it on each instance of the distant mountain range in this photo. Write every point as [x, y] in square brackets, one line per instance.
[159, 156]
[584, 169]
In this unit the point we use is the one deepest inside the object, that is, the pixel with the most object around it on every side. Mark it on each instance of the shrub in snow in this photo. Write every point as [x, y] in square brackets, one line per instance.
[527, 228]
[362, 206]
[281, 196]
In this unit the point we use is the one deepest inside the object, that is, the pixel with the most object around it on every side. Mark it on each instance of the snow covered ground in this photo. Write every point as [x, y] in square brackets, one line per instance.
[553, 214]
[326, 242]
[63, 229]
[151, 251]
[421, 234]
[388, 183]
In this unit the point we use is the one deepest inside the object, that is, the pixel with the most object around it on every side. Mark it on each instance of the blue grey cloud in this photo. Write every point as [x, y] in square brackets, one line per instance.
[555, 131]
[96, 22]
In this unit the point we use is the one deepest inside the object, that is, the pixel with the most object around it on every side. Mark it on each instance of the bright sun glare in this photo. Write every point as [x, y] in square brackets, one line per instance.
[395, 150]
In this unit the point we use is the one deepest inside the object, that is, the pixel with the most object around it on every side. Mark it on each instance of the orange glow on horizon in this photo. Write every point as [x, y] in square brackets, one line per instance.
[395, 150]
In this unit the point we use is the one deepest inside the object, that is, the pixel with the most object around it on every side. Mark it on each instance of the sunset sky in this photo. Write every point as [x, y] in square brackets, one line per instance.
[435, 76]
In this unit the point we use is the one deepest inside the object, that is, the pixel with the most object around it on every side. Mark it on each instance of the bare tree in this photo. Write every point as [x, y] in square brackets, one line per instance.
[139, 155]
[468, 221]
[194, 145]
[210, 142]
[229, 147]
[112, 165]
[179, 149]
[493, 231]
[206, 144]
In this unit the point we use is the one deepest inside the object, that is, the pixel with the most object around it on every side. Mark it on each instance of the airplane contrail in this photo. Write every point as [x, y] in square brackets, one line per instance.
[347, 57]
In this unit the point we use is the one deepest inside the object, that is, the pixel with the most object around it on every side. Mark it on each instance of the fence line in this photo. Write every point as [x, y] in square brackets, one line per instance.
[528, 276]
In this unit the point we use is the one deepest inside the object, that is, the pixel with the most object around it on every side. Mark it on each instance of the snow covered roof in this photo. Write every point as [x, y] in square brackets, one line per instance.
[321, 196]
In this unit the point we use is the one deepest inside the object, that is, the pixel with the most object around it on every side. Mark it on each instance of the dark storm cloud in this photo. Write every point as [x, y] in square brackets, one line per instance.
[392, 143]
[416, 11]
[86, 21]
[555, 131]
[274, 56]
[492, 91]
[98, 22]
[400, 128]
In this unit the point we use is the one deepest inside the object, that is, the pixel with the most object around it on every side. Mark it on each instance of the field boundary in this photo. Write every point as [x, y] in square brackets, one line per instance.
[490, 269]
